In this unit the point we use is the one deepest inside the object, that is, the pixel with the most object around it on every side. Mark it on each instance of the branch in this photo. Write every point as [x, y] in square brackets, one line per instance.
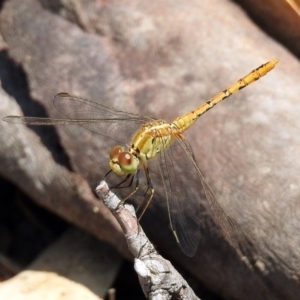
[158, 278]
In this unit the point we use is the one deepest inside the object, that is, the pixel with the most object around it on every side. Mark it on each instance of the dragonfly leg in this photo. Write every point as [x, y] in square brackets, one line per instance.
[107, 174]
[150, 187]
[137, 183]
[119, 185]
[127, 178]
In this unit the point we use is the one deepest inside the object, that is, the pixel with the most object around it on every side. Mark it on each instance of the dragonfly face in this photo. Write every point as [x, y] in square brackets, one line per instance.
[123, 162]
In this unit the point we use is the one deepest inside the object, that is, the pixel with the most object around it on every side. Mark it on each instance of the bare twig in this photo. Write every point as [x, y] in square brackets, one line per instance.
[158, 278]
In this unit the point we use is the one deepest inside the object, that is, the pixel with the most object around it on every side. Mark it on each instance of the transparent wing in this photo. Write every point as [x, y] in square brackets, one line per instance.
[190, 199]
[114, 124]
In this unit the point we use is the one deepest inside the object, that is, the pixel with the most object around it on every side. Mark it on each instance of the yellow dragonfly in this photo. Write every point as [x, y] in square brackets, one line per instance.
[152, 137]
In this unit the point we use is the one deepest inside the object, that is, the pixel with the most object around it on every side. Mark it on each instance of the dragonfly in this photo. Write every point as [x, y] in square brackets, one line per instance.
[156, 138]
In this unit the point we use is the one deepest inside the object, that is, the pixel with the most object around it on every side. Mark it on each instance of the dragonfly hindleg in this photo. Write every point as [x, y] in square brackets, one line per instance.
[150, 187]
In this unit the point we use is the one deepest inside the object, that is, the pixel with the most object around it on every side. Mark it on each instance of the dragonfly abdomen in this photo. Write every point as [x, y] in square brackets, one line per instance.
[184, 122]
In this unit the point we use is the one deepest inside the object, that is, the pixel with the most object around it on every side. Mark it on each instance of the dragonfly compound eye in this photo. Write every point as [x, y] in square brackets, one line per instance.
[115, 151]
[128, 162]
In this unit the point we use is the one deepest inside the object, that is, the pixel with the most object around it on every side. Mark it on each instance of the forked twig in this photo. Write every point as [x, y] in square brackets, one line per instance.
[158, 278]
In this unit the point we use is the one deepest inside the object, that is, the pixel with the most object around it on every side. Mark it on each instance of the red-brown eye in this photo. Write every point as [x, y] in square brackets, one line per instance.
[128, 163]
[115, 151]
[125, 158]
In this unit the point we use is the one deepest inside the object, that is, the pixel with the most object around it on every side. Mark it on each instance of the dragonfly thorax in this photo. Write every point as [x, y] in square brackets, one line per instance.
[152, 139]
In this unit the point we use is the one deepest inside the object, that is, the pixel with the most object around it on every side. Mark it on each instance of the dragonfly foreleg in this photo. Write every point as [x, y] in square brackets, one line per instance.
[126, 179]
[137, 183]
[119, 185]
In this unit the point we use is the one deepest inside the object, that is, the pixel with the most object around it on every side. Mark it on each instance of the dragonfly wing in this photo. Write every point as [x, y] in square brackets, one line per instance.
[114, 124]
[35, 120]
[191, 201]
[184, 220]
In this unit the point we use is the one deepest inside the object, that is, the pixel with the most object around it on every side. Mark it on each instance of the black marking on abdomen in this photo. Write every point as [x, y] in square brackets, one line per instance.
[226, 93]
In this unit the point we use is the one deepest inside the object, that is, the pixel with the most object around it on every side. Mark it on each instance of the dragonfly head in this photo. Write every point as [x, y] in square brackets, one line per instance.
[122, 162]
